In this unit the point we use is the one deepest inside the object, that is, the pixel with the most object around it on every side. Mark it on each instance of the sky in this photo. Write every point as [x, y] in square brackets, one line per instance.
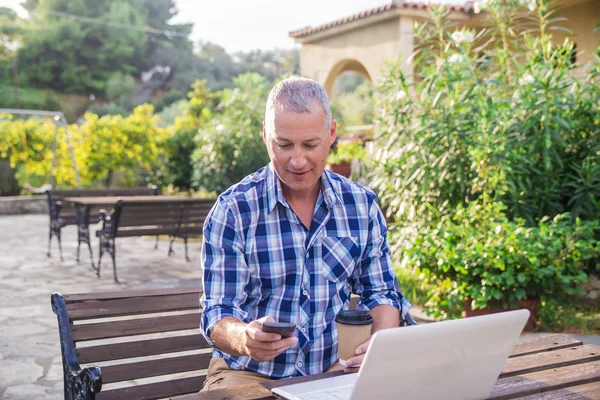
[244, 25]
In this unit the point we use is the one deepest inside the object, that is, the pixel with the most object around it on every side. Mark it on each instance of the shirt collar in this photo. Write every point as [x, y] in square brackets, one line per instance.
[274, 194]
[273, 189]
[331, 196]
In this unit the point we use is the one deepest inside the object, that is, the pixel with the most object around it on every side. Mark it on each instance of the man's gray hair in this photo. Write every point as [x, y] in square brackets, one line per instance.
[297, 94]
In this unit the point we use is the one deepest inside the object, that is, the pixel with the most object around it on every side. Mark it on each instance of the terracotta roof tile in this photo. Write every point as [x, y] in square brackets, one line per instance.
[300, 33]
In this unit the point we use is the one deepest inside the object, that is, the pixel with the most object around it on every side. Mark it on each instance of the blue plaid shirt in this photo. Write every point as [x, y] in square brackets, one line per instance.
[260, 260]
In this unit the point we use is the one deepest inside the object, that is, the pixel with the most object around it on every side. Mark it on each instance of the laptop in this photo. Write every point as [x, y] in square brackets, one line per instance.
[450, 360]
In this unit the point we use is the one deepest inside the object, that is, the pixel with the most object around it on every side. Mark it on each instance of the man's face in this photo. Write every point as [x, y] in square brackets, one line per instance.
[298, 147]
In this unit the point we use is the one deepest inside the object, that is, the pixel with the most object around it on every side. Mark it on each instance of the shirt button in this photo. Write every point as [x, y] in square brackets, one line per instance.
[306, 255]
[303, 330]
[305, 293]
[299, 363]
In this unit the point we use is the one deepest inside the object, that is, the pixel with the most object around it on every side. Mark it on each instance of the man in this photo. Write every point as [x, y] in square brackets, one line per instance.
[289, 243]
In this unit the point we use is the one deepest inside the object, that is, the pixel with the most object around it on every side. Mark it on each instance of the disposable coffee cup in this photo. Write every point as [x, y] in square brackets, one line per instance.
[354, 328]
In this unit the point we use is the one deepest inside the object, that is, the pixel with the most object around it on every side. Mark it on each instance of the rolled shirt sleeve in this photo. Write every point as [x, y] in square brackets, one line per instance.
[225, 272]
[377, 283]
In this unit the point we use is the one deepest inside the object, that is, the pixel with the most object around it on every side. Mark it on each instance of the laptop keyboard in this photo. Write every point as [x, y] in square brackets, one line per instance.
[336, 393]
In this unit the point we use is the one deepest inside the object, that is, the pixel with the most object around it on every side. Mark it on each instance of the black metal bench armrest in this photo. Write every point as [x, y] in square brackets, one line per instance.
[104, 216]
[407, 320]
[54, 209]
[79, 383]
[109, 221]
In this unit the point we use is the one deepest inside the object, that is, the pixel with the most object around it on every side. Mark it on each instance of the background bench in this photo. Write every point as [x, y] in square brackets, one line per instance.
[63, 213]
[174, 217]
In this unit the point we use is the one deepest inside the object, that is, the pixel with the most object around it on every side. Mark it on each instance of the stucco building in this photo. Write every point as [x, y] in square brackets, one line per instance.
[364, 41]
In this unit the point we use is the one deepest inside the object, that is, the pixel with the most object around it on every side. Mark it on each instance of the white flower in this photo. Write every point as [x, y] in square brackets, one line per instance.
[456, 58]
[400, 95]
[479, 5]
[526, 79]
[462, 36]
[573, 88]
[220, 128]
[531, 4]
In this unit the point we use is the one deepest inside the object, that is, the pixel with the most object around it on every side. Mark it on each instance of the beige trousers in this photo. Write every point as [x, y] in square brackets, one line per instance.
[219, 375]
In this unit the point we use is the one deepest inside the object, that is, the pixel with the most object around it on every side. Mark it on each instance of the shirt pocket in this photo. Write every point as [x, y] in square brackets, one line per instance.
[339, 256]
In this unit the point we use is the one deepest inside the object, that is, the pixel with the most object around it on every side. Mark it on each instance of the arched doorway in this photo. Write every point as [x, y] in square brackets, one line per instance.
[343, 66]
[350, 90]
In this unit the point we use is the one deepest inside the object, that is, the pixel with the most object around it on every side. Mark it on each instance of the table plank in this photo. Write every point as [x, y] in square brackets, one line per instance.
[551, 359]
[590, 391]
[544, 343]
[545, 381]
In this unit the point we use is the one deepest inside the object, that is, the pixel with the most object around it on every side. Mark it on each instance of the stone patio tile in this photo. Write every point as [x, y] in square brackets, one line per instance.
[19, 371]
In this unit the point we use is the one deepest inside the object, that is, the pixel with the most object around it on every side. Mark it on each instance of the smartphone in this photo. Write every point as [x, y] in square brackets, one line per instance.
[285, 329]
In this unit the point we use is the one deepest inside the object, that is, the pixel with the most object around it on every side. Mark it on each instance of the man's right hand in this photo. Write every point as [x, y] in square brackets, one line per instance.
[263, 346]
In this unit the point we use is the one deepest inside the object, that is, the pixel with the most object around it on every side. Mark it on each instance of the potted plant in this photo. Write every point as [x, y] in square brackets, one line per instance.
[479, 262]
[341, 156]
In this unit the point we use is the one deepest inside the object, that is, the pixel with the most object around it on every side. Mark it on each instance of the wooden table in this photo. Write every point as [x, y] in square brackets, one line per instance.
[83, 206]
[543, 368]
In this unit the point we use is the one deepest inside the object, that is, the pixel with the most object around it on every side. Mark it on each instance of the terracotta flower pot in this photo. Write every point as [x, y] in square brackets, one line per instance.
[532, 305]
[341, 169]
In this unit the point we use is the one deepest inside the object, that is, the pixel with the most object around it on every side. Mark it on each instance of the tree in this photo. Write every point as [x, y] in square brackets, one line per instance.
[10, 33]
[230, 146]
[181, 143]
[157, 14]
[120, 89]
[69, 47]
[113, 143]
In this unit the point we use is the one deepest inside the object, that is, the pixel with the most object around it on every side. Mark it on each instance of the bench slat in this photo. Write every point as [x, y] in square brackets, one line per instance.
[133, 306]
[77, 297]
[152, 368]
[150, 231]
[158, 230]
[140, 348]
[102, 192]
[134, 212]
[141, 326]
[154, 390]
[151, 221]
[191, 229]
[544, 343]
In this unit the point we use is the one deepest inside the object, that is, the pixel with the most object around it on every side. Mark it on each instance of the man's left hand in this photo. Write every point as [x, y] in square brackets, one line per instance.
[354, 363]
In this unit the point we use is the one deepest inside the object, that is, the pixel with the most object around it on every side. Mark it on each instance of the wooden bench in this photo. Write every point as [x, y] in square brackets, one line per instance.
[174, 217]
[113, 329]
[155, 335]
[63, 213]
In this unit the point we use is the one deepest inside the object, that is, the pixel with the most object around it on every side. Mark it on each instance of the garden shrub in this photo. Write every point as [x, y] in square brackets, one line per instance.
[230, 146]
[494, 122]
